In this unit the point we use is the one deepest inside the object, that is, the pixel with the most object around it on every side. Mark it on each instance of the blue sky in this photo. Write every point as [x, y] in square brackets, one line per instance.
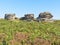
[21, 7]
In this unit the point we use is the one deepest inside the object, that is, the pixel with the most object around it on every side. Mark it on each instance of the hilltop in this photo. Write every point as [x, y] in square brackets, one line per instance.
[45, 30]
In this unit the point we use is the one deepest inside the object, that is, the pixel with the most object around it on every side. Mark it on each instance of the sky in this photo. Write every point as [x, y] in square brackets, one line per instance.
[22, 7]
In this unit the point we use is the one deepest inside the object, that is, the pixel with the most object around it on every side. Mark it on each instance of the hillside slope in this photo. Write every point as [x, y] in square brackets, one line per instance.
[44, 30]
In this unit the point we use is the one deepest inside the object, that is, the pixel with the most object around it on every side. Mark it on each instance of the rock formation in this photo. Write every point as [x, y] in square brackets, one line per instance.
[45, 16]
[10, 16]
[28, 17]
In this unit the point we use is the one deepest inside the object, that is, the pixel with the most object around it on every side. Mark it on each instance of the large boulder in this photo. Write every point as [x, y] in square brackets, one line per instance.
[45, 16]
[10, 16]
[28, 17]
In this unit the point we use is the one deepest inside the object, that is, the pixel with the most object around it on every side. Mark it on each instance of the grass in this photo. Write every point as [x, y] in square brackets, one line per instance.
[45, 30]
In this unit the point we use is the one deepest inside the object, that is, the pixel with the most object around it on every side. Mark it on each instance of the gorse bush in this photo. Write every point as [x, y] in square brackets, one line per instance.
[45, 30]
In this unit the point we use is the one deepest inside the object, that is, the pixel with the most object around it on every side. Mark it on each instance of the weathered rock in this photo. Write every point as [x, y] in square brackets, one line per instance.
[22, 18]
[10, 16]
[28, 17]
[45, 16]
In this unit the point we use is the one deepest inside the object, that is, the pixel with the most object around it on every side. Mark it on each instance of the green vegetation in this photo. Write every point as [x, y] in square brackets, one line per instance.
[45, 30]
